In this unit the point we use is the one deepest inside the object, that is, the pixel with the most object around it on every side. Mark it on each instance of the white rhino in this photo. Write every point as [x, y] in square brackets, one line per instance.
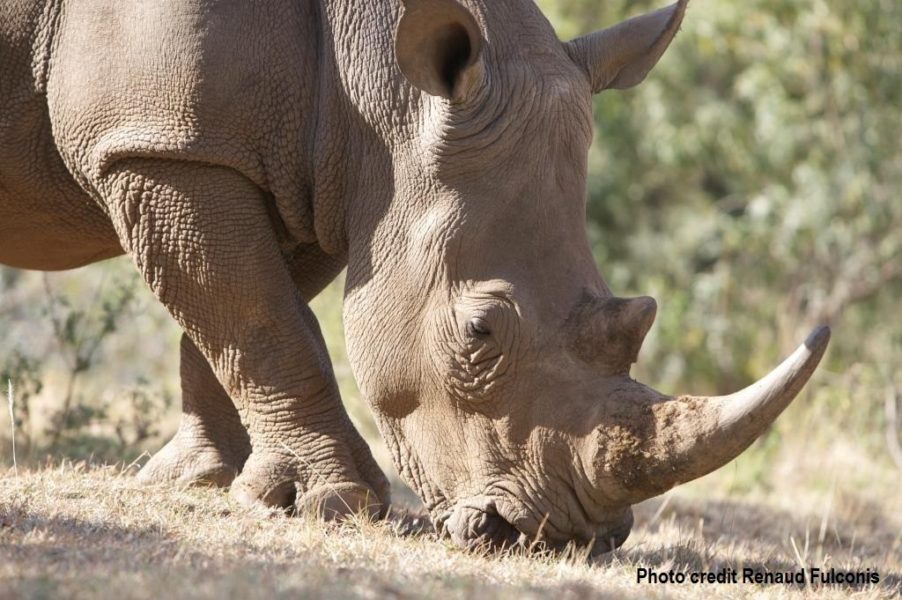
[243, 153]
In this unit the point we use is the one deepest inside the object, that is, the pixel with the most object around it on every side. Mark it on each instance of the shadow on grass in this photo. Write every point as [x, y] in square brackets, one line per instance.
[719, 534]
[33, 539]
[50, 551]
[61, 556]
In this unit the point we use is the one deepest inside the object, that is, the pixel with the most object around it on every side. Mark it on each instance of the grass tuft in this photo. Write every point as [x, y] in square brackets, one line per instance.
[10, 400]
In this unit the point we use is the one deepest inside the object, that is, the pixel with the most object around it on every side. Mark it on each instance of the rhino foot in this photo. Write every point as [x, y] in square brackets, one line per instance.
[189, 460]
[276, 480]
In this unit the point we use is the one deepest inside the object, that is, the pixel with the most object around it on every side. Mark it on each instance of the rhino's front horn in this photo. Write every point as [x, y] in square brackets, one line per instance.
[695, 435]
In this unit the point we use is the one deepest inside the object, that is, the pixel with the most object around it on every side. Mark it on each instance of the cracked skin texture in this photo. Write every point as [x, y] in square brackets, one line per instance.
[242, 154]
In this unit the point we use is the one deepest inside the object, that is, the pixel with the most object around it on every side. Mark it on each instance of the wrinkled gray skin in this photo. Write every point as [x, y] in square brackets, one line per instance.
[243, 153]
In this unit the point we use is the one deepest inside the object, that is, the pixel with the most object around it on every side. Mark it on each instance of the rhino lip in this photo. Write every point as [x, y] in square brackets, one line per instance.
[479, 524]
[541, 532]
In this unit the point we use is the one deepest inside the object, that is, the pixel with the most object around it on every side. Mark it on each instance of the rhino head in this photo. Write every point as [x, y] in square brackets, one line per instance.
[494, 355]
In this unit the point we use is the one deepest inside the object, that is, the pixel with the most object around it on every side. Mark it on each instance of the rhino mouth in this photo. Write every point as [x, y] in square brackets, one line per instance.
[484, 523]
[476, 523]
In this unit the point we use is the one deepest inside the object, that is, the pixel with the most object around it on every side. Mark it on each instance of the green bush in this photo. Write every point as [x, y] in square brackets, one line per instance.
[751, 185]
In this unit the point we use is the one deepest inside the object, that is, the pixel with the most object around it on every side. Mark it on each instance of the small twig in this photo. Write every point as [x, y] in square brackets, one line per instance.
[12, 422]
[892, 425]
[538, 537]
[825, 518]
[661, 509]
[135, 462]
[801, 560]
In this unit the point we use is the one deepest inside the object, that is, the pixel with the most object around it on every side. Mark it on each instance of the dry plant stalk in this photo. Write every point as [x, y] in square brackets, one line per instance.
[12, 422]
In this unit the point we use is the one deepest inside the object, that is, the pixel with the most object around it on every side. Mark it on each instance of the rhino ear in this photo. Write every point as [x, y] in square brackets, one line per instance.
[621, 56]
[437, 45]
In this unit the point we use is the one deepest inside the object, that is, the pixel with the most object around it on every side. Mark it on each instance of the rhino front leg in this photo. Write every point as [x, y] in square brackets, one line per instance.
[203, 240]
[211, 445]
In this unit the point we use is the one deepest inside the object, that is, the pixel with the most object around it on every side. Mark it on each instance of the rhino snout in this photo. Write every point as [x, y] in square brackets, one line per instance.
[484, 523]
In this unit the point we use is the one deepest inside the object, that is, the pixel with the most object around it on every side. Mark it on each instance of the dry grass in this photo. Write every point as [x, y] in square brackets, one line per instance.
[80, 531]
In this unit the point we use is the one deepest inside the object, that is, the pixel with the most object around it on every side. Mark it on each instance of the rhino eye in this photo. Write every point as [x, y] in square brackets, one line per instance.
[477, 327]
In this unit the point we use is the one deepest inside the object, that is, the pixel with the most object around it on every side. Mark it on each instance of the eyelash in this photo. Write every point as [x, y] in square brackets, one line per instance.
[477, 327]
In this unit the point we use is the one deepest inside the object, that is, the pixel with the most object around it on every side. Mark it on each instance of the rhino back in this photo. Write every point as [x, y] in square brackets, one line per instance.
[223, 82]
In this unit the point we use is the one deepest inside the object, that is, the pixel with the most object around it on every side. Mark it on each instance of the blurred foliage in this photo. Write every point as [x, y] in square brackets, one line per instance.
[24, 373]
[751, 184]
[60, 333]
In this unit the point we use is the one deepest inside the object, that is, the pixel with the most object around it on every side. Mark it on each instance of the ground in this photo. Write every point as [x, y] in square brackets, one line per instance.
[75, 530]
